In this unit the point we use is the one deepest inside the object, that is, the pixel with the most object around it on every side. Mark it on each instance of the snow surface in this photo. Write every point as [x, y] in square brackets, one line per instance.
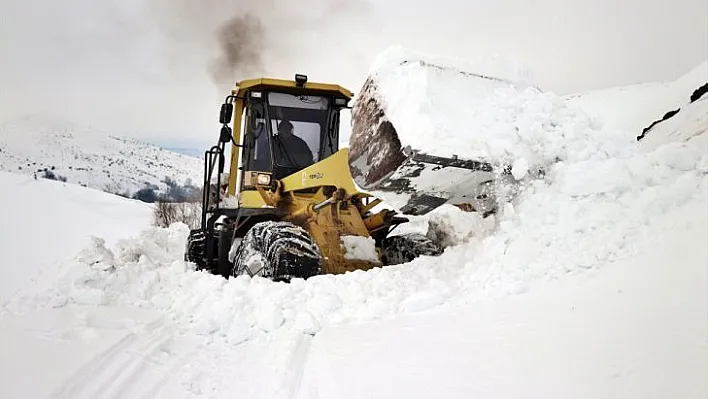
[592, 283]
[689, 124]
[49, 221]
[632, 108]
[635, 330]
[91, 157]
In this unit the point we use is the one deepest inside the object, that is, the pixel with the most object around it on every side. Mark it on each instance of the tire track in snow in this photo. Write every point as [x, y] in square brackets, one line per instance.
[161, 383]
[296, 365]
[114, 373]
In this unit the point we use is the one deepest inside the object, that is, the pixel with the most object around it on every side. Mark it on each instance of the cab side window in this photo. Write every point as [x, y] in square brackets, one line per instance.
[259, 149]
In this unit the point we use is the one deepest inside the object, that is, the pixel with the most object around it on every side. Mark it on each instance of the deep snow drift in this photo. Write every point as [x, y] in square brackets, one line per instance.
[636, 329]
[600, 209]
[46, 222]
[689, 124]
[632, 108]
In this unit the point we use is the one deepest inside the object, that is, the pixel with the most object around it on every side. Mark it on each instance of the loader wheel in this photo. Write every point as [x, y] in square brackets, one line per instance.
[196, 248]
[406, 247]
[279, 251]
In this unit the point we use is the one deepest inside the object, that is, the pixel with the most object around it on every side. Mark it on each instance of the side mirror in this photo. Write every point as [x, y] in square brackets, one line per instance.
[227, 110]
[226, 135]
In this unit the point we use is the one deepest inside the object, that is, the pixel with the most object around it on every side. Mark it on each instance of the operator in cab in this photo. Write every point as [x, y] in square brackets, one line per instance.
[294, 152]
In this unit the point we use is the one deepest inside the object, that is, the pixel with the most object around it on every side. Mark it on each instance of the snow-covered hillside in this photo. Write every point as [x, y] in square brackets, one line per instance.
[689, 124]
[592, 283]
[632, 108]
[91, 157]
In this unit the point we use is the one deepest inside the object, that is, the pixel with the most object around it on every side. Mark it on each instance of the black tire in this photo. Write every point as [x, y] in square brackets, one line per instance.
[196, 251]
[223, 265]
[279, 251]
[406, 247]
[196, 248]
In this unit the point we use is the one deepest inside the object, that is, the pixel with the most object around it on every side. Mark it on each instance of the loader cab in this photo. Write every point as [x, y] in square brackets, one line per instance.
[286, 129]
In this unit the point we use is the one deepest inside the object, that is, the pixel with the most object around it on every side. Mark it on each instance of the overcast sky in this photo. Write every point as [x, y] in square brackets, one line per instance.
[152, 68]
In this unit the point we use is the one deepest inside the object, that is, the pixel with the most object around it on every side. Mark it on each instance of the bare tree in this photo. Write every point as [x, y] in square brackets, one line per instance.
[167, 213]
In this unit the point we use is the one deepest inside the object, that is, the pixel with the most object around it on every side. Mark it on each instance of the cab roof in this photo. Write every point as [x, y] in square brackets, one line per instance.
[293, 86]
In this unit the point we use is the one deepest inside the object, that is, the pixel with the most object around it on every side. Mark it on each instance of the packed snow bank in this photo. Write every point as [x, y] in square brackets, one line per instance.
[48, 221]
[635, 330]
[632, 108]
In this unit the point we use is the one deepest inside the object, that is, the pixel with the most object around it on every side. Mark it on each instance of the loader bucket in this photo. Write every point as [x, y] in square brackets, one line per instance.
[411, 179]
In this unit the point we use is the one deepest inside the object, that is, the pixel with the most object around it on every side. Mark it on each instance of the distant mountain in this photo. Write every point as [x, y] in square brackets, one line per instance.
[92, 158]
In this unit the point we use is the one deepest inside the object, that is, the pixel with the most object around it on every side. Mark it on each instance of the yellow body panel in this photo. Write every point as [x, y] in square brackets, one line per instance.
[326, 228]
[251, 199]
[331, 171]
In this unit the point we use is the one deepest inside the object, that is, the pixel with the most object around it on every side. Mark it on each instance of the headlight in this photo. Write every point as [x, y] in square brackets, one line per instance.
[262, 179]
[253, 179]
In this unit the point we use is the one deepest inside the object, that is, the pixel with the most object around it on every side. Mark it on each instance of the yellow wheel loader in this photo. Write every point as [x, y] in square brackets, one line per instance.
[288, 207]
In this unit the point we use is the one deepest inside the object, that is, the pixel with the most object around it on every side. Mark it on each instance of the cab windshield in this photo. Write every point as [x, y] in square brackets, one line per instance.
[297, 125]
[289, 132]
